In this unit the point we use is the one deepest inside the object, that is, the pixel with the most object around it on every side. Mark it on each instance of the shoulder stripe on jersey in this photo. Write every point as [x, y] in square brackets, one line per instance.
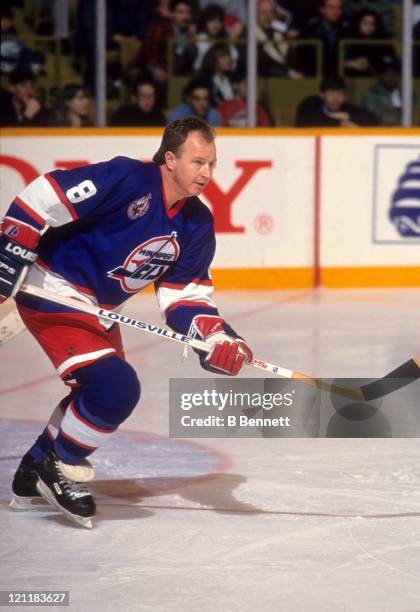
[29, 211]
[61, 196]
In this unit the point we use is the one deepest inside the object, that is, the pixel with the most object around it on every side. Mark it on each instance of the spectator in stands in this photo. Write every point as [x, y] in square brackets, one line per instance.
[125, 20]
[73, 107]
[153, 53]
[328, 27]
[330, 109]
[217, 67]
[14, 53]
[210, 30]
[273, 50]
[163, 8]
[383, 98]
[19, 105]
[197, 98]
[233, 112]
[303, 11]
[285, 12]
[143, 110]
[235, 15]
[365, 58]
[383, 8]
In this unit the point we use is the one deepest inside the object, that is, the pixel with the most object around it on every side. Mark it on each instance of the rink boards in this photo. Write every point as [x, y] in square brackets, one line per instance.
[293, 208]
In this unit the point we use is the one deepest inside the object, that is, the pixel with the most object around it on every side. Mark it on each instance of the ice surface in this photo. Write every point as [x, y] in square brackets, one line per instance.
[230, 524]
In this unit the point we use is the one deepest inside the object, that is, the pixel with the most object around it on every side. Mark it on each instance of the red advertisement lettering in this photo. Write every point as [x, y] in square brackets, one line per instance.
[26, 170]
[222, 202]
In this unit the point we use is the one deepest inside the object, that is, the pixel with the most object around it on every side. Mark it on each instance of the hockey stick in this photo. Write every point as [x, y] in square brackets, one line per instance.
[408, 371]
[398, 378]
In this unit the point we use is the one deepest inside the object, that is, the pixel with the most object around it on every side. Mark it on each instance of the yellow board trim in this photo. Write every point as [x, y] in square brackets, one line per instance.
[262, 278]
[380, 276]
[302, 278]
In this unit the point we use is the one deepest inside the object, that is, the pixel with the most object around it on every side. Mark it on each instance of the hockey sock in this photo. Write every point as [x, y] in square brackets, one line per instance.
[108, 392]
[46, 440]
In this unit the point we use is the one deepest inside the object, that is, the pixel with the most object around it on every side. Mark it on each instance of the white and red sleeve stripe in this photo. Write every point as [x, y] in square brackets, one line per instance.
[46, 203]
[195, 293]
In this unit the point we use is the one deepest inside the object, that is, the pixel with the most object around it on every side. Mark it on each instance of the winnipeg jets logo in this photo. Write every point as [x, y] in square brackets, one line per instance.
[139, 207]
[146, 263]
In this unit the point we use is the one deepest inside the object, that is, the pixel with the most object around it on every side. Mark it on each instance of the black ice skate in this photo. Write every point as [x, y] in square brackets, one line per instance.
[25, 494]
[64, 494]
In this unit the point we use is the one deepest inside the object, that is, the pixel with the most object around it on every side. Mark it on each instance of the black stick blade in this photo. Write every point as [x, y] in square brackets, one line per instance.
[398, 378]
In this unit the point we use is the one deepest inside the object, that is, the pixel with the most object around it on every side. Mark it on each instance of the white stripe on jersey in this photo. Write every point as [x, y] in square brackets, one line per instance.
[81, 431]
[82, 358]
[45, 279]
[41, 197]
[193, 292]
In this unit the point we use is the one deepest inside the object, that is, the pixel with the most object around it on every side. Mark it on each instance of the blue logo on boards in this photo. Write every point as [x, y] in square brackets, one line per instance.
[405, 201]
[396, 194]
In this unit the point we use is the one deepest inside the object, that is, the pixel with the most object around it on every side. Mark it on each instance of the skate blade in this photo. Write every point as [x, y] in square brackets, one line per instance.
[46, 494]
[83, 472]
[28, 503]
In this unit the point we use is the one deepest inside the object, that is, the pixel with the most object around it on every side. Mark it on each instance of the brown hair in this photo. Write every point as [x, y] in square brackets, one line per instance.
[177, 132]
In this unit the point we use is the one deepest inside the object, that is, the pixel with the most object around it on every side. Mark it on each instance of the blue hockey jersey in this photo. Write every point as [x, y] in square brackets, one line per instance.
[110, 235]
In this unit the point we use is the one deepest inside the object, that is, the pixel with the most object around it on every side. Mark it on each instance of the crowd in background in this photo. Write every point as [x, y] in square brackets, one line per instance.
[207, 49]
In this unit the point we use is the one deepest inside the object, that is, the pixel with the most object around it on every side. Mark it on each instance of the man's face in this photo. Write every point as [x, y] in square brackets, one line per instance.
[390, 78]
[367, 25]
[199, 100]
[6, 23]
[181, 16]
[224, 62]
[146, 97]
[23, 91]
[334, 98]
[214, 27]
[265, 14]
[192, 167]
[79, 104]
[240, 89]
[332, 10]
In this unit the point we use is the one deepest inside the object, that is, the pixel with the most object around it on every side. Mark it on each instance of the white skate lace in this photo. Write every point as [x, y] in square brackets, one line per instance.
[73, 490]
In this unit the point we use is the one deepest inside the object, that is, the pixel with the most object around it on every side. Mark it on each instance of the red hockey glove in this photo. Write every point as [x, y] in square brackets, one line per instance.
[229, 351]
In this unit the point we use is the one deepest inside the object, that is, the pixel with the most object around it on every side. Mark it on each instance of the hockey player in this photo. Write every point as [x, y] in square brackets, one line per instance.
[113, 228]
